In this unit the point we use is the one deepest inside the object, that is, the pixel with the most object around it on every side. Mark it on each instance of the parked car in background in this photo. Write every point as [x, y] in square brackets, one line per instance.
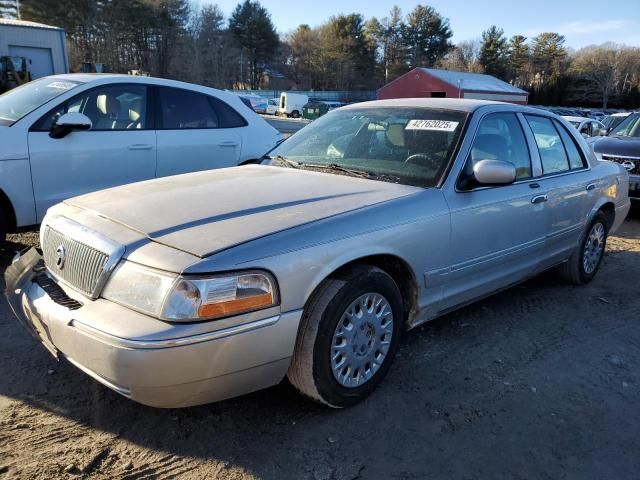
[612, 121]
[272, 106]
[65, 135]
[255, 102]
[374, 218]
[586, 126]
[291, 104]
[622, 145]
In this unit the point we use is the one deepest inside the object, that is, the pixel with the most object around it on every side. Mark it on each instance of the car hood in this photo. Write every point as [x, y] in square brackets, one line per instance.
[205, 212]
[623, 146]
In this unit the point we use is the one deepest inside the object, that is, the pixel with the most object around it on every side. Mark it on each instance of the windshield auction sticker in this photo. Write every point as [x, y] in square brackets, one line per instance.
[438, 125]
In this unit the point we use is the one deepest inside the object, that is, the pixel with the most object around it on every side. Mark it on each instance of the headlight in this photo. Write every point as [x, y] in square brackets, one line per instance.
[220, 296]
[141, 288]
[186, 298]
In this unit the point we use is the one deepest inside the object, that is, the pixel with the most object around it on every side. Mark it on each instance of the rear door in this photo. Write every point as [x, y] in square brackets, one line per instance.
[497, 233]
[120, 147]
[568, 185]
[195, 132]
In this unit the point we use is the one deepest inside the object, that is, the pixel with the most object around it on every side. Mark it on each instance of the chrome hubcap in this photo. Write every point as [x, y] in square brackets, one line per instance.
[361, 340]
[593, 248]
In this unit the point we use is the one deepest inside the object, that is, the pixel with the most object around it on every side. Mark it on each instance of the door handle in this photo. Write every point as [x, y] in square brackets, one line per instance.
[140, 146]
[539, 199]
[591, 186]
[228, 144]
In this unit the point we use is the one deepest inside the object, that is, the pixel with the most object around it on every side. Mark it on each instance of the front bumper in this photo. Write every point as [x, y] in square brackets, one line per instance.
[157, 363]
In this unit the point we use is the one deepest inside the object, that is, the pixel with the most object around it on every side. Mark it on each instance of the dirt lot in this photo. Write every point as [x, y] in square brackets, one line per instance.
[541, 382]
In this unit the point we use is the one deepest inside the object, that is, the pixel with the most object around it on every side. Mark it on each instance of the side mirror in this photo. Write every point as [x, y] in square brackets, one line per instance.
[494, 172]
[70, 122]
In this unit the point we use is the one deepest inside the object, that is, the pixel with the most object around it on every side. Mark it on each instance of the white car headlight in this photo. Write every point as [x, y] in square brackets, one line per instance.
[190, 298]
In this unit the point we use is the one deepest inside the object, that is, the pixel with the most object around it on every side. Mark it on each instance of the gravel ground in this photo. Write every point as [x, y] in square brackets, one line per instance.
[540, 382]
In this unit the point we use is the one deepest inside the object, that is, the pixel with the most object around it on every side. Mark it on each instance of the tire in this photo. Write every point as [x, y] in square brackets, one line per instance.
[295, 114]
[337, 303]
[579, 270]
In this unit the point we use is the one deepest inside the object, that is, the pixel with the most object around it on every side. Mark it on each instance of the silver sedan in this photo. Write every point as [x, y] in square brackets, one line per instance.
[370, 221]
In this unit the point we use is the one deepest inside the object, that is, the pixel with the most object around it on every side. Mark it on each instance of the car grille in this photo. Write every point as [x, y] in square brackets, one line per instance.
[622, 160]
[83, 265]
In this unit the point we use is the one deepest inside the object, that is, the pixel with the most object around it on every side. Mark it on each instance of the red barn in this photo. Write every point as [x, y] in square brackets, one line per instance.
[431, 82]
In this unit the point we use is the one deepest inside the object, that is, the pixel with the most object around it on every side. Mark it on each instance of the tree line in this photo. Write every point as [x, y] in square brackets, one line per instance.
[176, 39]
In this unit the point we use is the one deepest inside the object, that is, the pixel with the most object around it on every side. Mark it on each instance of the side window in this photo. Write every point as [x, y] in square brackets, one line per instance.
[183, 109]
[576, 160]
[110, 107]
[552, 152]
[227, 116]
[500, 137]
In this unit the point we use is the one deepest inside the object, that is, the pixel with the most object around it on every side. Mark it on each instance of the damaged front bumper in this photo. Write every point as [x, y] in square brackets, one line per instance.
[17, 276]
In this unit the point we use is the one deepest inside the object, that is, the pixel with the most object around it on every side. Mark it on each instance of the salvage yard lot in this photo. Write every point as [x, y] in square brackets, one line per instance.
[540, 381]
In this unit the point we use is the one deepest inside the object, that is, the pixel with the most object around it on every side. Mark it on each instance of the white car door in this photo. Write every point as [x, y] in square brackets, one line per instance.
[195, 132]
[120, 147]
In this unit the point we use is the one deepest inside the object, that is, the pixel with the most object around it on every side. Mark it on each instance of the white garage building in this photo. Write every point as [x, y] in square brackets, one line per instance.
[43, 44]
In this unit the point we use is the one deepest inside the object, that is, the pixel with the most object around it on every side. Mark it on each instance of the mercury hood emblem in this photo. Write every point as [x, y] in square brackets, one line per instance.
[61, 256]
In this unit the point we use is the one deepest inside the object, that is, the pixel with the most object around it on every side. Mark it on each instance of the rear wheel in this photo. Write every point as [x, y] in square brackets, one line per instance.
[348, 337]
[583, 265]
[295, 114]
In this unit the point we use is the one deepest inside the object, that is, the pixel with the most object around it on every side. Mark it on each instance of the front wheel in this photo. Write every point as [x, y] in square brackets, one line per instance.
[348, 336]
[583, 265]
[295, 114]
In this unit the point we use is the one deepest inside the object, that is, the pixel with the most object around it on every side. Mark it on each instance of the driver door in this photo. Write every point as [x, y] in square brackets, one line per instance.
[120, 147]
[497, 232]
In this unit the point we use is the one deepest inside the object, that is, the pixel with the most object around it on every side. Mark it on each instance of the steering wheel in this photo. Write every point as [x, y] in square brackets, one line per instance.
[423, 159]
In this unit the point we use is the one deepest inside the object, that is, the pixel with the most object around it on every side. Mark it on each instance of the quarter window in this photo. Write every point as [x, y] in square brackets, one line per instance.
[552, 151]
[576, 160]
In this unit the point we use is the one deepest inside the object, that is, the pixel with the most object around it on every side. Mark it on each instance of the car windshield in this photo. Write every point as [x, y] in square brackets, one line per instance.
[630, 127]
[413, 146]
[21, 101]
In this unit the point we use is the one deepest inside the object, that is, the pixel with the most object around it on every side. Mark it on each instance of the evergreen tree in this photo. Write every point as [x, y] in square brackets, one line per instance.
[426, 36]
[251, 25]
[493, 52]
[519, 58]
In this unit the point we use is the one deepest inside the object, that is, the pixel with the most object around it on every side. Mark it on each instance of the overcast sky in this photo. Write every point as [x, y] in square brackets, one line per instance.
[582, 22]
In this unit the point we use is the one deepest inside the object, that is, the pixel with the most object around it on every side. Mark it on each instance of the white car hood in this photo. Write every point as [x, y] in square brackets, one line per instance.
[206, 212]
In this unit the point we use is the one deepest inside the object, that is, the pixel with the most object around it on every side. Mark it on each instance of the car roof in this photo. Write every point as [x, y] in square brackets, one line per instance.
[577, 119]
[621, 114]
[459, 104]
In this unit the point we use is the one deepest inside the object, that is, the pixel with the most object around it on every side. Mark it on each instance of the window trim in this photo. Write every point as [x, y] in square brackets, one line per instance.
[87, 92]
[159, 120]
[531, 178]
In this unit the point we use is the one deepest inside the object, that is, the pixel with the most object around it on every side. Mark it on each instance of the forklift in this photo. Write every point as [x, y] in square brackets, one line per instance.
[14, 71]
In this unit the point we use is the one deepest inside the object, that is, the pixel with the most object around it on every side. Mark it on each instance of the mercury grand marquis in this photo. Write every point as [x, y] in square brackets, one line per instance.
[368, 222]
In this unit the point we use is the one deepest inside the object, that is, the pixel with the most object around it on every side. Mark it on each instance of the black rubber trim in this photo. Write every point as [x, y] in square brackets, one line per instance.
[55, 292]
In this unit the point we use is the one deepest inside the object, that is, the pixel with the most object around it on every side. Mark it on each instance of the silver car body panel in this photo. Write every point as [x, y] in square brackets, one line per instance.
[302, 226]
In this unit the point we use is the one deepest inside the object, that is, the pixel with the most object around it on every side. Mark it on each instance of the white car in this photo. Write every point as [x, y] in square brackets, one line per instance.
[588, 127]
[65, 135]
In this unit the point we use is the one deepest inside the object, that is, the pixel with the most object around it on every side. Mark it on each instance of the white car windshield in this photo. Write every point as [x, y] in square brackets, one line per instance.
[406, 145]
[21, 101]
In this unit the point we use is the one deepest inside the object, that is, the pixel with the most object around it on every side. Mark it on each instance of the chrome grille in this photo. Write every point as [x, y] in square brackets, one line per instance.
[625, 160]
